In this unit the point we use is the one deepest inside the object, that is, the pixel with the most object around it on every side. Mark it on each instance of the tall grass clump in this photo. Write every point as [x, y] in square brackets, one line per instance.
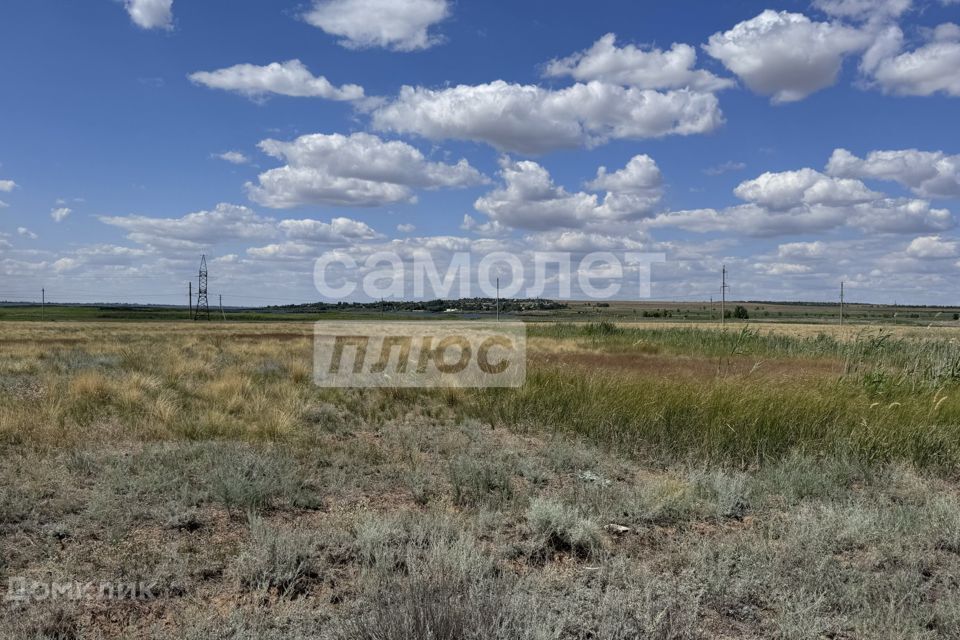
[927, 361]
[276, 560]
[740, 420]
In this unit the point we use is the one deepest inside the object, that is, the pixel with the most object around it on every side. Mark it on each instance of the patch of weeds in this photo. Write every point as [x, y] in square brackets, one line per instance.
[799, 477]
[533, 472]
[42, 621]
[477, 481]
[663, 500]
[135, 359]
[559, 528]
[589, 477]
[567, 456]
[295, 620]
[391, 543]
[440, 607]
[78, 360]
[737, 576]
[659, 608]
[945, 518]
[378, 541]
[240, 477]
[270, 369]
[82, 462]
[58, 531]
[16, 505]
[420, 485]
[723, 494]
[249, 480]
[276, 560]
[21, 387]
[450, 591]
[182, 518]
[329, 417]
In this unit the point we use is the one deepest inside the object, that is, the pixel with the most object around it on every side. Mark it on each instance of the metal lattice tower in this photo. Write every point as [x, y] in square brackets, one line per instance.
[202, 308]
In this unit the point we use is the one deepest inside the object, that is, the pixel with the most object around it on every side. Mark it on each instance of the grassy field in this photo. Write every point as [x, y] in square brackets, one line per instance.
[135, 313]
[660, 312]
[648, 481]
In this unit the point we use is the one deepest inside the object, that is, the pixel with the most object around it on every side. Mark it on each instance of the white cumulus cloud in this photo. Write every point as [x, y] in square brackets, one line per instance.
[863, 9]
[926, 247]
[802, 250]
[782, 268]
[150, 14]
[644, 68]
[931, 68]
[60, 214]
[7, 185]
[195, 230]
[786, 55]
[930, 174]
[529, 199]
[290, 78]
[807, 201]
[180, 239]
[233, 157]
[531, 119]
[26, 233]
[337, 230]
[356, 170]
[788, 189]
[399, 25]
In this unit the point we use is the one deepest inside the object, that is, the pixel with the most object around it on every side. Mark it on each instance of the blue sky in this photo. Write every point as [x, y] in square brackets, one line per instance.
[800, 143]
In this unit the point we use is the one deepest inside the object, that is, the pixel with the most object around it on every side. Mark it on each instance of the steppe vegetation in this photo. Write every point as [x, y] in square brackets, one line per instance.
[646, 482]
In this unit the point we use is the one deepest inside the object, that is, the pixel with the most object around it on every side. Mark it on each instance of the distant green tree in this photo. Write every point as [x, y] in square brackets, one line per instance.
[740, 313]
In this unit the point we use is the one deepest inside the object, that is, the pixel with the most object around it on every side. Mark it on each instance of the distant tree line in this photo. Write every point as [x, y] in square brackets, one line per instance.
[428, 306]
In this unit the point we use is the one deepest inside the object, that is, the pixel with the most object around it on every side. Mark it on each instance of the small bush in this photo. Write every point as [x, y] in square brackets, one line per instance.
[276, 560]
[450, 591]
[439, 607]
[480, 482]
[247, 480]
[561, 529]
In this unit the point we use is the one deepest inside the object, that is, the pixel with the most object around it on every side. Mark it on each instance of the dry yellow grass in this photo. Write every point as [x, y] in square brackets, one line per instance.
[804, 330]
[754, 488]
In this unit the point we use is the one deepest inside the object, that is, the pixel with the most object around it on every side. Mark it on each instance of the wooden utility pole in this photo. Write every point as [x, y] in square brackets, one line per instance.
[498, 299]
[723, 298]
[222, 314]
[43, 303]
[190, 297]
[841, 303]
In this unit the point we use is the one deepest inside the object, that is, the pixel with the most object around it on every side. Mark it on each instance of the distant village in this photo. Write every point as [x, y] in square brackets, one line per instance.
[463, 305]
